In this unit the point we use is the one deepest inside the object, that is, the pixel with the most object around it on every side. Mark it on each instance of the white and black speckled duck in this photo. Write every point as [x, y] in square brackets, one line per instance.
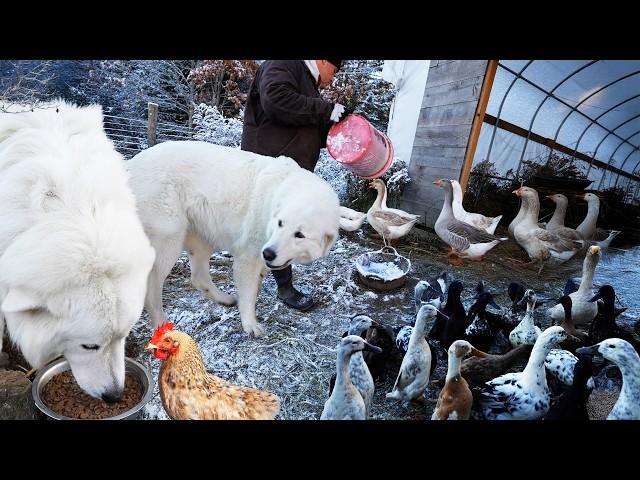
[572, 404]
[620, 352]
[526, 332]
[560, 363]
[466, 241]
[582, 310]
[415, 369]
[604, 324]
[523, 395]
[345, 402]
[358, 369]
[455, 399]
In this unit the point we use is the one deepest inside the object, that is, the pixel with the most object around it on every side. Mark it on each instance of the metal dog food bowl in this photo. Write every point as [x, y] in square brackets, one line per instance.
[383, 270]
[132, 367]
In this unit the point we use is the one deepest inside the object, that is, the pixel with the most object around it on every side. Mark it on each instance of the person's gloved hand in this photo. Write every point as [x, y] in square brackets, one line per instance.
[340, 112]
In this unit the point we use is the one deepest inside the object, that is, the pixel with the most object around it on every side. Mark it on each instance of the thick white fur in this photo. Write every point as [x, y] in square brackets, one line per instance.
[74, 258]
[206, 197]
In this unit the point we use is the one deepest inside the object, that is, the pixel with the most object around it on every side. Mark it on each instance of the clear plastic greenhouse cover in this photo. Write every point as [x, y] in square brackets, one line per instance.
[592, 107]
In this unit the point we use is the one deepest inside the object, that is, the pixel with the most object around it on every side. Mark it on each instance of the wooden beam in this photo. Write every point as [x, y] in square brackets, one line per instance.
[483, 101]
[534, 137]
[152, 123]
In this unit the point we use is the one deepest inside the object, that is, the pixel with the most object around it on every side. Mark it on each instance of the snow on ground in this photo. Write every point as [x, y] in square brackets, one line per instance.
[296, 357]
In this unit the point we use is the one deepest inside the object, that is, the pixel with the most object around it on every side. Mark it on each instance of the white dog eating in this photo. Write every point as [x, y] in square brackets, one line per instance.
[74, 258]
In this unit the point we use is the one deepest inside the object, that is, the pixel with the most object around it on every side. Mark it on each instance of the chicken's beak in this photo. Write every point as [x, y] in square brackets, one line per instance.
[150, 346]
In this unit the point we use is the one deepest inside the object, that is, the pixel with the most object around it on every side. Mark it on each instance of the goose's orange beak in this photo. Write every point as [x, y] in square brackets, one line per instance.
[518, 191]
[438, 182]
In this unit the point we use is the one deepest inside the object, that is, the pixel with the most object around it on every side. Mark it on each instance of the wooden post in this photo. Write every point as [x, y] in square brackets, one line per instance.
[483, 100]
[152, 123]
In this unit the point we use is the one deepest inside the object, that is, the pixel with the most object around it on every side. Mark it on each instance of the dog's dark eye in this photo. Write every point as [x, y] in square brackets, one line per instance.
[299, 235]
[280, 223]
[90, 347]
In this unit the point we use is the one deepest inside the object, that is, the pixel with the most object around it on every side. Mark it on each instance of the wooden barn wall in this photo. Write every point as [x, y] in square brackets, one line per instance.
[448, 107]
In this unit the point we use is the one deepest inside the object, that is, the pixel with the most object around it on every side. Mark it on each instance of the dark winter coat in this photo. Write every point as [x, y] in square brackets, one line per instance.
[284, 114]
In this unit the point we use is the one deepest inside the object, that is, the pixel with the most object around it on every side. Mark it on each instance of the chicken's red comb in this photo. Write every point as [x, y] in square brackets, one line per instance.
[160, 331]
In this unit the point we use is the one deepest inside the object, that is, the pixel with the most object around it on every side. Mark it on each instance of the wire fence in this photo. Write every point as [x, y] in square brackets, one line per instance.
[131, 135]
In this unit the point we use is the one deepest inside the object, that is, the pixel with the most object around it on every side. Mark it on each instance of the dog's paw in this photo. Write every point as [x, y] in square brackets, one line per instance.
[228, 300]
[253, 329]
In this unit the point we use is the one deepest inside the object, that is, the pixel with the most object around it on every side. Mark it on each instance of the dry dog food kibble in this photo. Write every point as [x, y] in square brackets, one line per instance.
[63, 395]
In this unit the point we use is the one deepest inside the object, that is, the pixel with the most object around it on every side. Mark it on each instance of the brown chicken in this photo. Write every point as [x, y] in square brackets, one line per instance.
[188, 392]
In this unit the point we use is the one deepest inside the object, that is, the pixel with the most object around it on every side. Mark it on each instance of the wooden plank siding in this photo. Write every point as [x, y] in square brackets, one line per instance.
[446, 116]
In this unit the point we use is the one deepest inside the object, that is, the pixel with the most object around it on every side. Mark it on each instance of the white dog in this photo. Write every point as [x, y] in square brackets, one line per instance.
[74, 258]
[268, 212]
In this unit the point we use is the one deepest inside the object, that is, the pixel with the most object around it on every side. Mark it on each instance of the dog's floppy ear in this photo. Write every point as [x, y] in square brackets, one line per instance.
[19, 300]
[329, 240]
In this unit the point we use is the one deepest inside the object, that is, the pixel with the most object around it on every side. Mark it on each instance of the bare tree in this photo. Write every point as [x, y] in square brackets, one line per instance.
[24, 83]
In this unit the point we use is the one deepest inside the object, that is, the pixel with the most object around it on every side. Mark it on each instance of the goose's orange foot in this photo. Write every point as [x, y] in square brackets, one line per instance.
[454, 259]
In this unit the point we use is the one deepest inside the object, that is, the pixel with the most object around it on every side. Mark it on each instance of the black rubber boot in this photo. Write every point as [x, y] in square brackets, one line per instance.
[288, 294]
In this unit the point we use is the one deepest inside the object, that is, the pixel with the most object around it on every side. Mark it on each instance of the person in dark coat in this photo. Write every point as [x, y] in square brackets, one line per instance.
[284, 115]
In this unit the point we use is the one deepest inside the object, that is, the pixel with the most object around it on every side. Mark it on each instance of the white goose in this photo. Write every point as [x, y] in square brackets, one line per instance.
[620, 352]
[588, 227]
[556, 224]
[526, 333]
[582, 310]
[390, 223]
[524, 207]
[522, 395]
[466, 241]
[481, 222]
[351, 220]
[540, 244]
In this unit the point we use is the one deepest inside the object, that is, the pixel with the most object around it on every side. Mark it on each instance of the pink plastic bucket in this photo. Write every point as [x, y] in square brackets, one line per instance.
[360, 148]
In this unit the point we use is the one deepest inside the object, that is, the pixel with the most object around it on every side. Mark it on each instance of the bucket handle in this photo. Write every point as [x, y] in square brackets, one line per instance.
[388, 249]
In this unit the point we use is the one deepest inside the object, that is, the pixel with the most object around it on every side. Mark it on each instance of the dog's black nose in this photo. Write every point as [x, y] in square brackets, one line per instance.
[112, 397]
[269, 255]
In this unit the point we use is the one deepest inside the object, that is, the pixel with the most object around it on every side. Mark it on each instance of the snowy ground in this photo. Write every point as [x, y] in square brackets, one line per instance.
[296, 358]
